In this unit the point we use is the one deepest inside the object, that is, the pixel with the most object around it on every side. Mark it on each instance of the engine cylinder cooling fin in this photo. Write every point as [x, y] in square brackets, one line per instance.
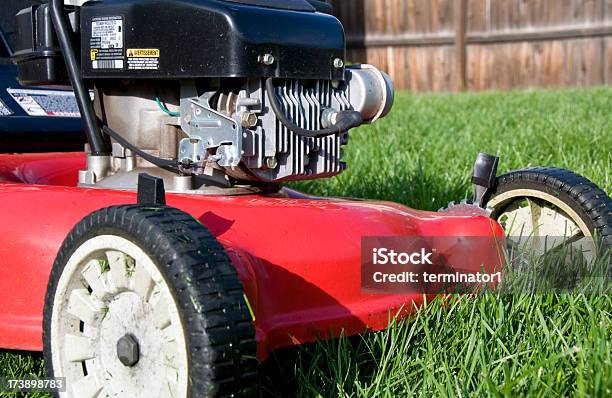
[297, 156]
[336, 121]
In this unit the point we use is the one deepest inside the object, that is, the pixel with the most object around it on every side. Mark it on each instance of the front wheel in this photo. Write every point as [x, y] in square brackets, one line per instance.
[143, 302]
[551, 202]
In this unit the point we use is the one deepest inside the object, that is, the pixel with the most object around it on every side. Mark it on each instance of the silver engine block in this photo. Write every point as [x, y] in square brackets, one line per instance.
[227, 134]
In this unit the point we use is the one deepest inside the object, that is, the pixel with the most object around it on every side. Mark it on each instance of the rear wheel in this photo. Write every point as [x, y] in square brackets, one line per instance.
[551, 202]
[143, 302]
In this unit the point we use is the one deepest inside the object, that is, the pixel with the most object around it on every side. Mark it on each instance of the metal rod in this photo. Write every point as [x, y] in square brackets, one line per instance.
[92, 130]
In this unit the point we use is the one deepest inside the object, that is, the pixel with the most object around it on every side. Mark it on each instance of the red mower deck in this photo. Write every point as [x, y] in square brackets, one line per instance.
[298, 259]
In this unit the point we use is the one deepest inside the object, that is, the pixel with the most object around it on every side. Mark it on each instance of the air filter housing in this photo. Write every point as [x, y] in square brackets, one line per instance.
[37, 54]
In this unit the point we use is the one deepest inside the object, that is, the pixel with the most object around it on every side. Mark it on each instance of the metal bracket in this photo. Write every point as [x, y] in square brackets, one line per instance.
[483, 176]
[208, 129]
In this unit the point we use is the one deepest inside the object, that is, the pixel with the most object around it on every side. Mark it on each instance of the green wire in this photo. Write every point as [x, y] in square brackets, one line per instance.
[165, 109]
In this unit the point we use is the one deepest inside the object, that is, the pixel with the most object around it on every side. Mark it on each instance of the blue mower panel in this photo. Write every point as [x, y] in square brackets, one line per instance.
[34, 119]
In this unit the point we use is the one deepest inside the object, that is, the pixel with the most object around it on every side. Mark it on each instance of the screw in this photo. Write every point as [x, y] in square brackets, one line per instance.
[128, 350]
[271, 162]
[338, 63]
[267, 59]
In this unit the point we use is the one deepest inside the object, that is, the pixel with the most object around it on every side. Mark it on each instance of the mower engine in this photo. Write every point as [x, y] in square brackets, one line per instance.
[208, 94]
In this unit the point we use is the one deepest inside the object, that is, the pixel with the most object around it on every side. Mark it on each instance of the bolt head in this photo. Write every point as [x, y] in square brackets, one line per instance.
[267, 59]
[338, 63]
[249, 119]
[271, 162]
[128, 350]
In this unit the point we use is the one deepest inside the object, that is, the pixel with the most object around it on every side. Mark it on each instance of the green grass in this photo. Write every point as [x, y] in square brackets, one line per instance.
[516, 346]
[421, 155]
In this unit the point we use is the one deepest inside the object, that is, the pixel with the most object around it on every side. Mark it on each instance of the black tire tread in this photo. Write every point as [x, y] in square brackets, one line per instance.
[205, 285]
[589, 201]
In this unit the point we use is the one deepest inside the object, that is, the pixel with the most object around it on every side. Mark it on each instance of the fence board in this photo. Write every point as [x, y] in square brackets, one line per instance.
[477, 16]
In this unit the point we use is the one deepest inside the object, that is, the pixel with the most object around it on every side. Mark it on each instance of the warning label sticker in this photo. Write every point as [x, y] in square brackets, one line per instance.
[46, 102]
[143, 53]
[4, 110]
[106, 45]
[143, 58]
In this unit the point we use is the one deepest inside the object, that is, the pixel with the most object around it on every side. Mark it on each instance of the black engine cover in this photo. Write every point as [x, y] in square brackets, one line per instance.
[181, 39]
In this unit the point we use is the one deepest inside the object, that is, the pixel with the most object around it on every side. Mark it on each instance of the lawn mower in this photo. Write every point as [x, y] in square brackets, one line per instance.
[167, 259]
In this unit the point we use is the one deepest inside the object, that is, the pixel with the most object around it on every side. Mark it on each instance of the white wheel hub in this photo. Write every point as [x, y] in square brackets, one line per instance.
[111, 290]
[542, 221]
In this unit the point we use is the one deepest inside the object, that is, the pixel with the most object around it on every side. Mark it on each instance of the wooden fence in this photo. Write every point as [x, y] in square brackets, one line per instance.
[445, 45]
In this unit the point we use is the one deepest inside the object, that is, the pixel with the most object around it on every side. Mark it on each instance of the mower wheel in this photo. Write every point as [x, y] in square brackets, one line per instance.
[551, 202]
[144, 302]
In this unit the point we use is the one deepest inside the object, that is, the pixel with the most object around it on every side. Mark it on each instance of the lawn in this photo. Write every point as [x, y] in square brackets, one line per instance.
[421, 156]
